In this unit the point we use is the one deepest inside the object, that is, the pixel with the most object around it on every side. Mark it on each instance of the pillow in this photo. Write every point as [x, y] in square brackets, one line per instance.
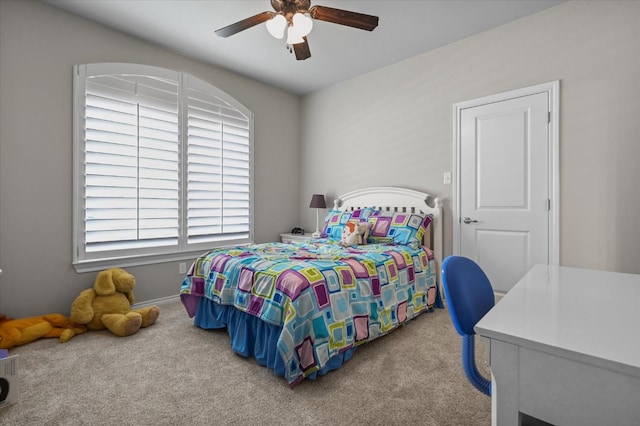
[398, 227]
[363, 214]
[336, 219]
[334, 224]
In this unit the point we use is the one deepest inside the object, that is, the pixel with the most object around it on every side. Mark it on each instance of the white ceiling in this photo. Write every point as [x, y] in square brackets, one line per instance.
[338, 53]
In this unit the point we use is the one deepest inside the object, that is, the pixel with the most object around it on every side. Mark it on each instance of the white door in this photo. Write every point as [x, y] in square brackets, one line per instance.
[504, 177]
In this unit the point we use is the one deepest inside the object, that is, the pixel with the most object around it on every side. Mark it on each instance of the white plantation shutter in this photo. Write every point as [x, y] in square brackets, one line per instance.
[162, 165]
[218, 187]
[131, 162]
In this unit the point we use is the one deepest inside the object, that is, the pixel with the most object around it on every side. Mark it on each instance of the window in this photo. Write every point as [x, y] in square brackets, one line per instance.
[162, 166]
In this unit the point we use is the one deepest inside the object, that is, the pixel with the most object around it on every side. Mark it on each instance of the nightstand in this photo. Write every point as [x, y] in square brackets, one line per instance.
[287, 238]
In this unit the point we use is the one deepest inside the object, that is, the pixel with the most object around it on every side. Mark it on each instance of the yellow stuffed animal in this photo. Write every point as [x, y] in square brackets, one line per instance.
[108, 305]
[16, 332]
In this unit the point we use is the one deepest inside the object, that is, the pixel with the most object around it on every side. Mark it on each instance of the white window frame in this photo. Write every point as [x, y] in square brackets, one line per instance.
[86, 262]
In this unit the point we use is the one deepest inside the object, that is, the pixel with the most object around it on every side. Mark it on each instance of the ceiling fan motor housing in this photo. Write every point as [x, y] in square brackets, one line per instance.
[291, 6]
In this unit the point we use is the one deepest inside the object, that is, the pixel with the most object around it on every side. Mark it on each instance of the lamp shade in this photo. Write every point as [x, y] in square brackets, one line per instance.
[302, 24]
[317, 201]
[293, 37]
[277, 25]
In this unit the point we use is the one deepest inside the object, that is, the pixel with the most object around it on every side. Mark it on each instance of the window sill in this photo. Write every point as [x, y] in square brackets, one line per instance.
[125, 262]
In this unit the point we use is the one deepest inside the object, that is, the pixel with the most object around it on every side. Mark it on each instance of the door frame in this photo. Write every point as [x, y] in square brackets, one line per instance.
[552, 88]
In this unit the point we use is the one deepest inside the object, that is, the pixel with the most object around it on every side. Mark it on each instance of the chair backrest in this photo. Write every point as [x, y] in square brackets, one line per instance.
[468, 292]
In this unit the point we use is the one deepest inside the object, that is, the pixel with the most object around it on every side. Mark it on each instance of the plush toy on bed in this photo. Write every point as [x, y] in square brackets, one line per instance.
[16, 332]
[108, 305]
[354, 233]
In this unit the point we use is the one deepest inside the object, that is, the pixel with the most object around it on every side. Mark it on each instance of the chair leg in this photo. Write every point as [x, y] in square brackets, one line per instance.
[469, 364]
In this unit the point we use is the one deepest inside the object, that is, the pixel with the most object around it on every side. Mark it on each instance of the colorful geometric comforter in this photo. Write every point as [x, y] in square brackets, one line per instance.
[326, 298]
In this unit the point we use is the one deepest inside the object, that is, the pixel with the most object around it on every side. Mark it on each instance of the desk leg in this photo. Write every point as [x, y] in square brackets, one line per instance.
[504, 386]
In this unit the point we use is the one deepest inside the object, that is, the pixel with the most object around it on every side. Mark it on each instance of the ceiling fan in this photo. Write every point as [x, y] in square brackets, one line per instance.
[295, 18]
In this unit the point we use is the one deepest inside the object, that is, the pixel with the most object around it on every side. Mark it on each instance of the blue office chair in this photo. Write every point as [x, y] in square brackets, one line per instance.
[469, 297]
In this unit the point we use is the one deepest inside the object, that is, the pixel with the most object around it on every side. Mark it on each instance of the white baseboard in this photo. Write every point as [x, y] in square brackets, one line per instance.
[161, 301]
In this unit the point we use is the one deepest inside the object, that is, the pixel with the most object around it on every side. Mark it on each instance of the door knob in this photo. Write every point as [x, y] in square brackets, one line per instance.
[469, 220]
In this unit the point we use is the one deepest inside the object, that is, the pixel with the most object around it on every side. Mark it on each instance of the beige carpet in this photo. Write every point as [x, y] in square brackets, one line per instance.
[174, 373]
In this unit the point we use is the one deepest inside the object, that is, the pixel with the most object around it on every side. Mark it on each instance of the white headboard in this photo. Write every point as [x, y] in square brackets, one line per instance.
[403, 200]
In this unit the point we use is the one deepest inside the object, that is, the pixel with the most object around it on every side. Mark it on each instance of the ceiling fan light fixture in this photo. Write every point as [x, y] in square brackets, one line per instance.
[293, 37]
[303, 24]
[277, 25]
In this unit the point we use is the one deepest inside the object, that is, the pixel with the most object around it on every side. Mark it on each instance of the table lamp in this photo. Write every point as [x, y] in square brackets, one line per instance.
[317, 202]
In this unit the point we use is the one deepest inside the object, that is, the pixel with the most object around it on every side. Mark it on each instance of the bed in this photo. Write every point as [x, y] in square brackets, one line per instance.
[303, 308]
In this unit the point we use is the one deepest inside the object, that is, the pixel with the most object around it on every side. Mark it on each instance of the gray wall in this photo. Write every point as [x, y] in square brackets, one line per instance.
[39, 44]
[394, 126]
[349, 135]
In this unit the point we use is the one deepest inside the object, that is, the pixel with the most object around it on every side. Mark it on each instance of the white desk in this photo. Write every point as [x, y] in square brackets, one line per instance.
[564, 347]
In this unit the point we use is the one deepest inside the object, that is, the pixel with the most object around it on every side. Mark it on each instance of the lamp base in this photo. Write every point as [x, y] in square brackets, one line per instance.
[315, 235]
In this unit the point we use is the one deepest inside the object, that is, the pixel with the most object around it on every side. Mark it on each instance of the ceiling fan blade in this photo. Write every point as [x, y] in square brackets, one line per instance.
[302, 50]
[344, 17]
[232, 29]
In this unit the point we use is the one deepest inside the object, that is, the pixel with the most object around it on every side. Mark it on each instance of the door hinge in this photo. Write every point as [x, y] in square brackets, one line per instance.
[548, 205]
[549, 117]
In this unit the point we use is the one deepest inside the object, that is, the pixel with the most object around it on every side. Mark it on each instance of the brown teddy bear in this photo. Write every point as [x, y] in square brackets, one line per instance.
[108, 305]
